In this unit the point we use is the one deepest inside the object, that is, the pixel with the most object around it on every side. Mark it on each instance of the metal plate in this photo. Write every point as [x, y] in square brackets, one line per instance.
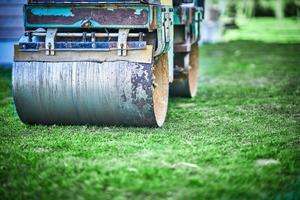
[83, 46]
[66, 16]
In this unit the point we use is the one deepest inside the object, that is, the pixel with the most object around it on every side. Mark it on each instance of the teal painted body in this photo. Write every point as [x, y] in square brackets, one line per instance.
[65, 12]
[188, 18]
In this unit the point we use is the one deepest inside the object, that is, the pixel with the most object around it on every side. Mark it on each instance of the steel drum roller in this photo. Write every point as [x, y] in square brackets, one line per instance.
[115, 93]
[186, 84]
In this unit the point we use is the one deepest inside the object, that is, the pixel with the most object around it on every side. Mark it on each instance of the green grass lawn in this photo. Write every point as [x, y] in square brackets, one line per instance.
[266, 30]
[238, 139]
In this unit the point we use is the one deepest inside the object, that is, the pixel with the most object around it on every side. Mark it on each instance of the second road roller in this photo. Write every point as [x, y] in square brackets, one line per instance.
[105, 62]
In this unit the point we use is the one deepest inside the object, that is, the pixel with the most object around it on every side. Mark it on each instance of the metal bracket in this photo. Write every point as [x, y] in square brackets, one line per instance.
[122, 42]
[167, 24]
[49, 41]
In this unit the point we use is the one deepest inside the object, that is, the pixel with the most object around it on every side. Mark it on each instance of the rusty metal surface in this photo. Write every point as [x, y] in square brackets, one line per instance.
[184, 47]
[118, 93]
[73, 16]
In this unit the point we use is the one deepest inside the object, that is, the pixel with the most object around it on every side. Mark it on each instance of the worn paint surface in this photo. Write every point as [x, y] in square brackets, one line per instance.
[84, 93]
[65, 12]
[72, 17]
[138, 11]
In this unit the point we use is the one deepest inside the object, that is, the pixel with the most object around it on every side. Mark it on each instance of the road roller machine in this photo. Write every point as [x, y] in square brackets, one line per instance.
[105, 62]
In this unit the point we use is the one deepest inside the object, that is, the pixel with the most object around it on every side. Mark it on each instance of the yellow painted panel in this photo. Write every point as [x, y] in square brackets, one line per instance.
[167, 2]
[142, 56]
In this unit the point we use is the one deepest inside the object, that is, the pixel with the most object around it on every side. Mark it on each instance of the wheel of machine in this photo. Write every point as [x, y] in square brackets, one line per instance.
[114, 93]
[185, 82]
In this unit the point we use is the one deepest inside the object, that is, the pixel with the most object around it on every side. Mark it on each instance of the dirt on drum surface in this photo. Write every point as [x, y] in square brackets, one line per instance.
[238, 138]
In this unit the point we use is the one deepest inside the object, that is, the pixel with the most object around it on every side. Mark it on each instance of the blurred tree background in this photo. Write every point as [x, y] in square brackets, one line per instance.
[258, 8]
[224, 15]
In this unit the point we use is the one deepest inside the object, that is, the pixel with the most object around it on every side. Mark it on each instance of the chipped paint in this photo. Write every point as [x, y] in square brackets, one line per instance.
[65, 12]
[93, 23]
[138, 11]
[67, 17]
